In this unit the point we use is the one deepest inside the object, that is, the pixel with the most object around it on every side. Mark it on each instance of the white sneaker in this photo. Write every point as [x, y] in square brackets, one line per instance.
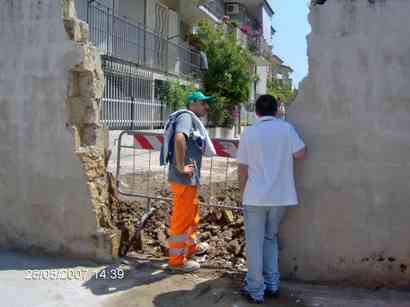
[201, 249]
[188, 267]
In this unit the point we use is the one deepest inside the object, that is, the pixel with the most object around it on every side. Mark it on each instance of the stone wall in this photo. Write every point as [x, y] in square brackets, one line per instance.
[353, 110]
[53, 182]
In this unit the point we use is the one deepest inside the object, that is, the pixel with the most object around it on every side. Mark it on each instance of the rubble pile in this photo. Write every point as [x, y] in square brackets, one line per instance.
[221, 228]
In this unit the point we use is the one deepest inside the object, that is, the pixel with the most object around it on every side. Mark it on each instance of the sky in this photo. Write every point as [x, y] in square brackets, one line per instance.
[289, 41]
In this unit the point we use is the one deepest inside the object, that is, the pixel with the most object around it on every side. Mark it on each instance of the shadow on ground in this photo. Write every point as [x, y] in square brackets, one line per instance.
[146, 284]
[203, 289]
[219, 292]
[120, 277]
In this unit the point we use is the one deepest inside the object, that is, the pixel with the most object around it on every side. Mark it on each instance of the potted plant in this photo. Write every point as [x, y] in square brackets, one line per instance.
[246, 28]
[234, 24]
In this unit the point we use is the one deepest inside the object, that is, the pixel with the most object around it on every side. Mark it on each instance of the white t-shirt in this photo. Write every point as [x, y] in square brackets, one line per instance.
[267, 148]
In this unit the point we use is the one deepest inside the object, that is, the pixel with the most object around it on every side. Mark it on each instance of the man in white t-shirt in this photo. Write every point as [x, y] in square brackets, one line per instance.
[266, 153]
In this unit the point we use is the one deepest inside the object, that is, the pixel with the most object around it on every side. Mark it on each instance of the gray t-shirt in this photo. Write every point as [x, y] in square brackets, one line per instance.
[193, 154]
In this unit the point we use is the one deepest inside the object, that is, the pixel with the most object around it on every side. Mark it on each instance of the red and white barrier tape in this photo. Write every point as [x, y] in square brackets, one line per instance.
[224, 148]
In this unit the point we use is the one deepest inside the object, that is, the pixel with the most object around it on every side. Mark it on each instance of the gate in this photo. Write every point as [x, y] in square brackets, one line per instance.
[129, 101]
[140, 175]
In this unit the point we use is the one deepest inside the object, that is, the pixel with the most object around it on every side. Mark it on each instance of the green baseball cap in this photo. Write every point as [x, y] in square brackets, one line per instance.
[198, 95]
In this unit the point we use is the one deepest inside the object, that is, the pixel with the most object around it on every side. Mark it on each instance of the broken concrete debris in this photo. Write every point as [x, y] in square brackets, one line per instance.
[222, 228]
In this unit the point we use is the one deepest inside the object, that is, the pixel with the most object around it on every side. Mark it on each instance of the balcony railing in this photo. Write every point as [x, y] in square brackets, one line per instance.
[120, 38]
[255, 43]
[261, 46]
[240, 37]
[216, 7]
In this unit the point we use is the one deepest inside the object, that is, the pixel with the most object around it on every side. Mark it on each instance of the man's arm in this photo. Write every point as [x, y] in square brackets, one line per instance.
[243, 178]
[298, 147]
[301, 154]
[243, 162]
[180, 150]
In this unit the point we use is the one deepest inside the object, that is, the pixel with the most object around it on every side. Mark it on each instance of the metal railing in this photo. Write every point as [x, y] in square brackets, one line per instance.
[140, 175]
[264, 48]
[129, 101]
[121, 38]
[239, 36]
[255, 43]
[216, 7]
[259, 45]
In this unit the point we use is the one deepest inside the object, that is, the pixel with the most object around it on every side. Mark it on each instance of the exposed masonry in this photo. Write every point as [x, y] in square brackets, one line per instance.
[86, 86]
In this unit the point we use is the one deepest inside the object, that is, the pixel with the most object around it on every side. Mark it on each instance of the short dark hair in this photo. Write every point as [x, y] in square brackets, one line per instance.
[266, 105]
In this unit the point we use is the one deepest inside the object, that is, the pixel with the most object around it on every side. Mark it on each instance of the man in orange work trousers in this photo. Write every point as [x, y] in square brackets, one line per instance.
[187, 139]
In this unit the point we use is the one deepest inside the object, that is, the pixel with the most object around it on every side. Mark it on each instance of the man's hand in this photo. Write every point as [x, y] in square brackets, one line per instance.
[301, 154]
[186, 170]
[180, 149]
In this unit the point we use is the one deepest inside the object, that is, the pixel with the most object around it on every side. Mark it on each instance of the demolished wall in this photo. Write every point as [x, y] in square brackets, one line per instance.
[52, 150]
[353, 110]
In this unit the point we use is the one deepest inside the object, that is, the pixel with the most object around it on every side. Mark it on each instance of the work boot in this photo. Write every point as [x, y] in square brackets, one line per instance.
[201, 249]
[188, 267]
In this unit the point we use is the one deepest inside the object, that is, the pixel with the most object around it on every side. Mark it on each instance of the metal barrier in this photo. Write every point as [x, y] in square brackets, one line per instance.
[139, 174]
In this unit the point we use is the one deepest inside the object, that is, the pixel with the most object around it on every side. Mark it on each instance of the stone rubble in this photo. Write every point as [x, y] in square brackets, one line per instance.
[221, 228]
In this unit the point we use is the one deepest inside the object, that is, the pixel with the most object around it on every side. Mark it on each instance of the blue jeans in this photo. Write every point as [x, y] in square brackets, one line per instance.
[261, 231]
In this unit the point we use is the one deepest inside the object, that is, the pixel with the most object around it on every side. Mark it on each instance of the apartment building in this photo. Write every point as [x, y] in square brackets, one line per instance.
[254, 31]
[142, 42]
[281, 72]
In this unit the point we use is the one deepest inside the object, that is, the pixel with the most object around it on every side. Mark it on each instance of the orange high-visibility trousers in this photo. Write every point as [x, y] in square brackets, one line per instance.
[184, 222]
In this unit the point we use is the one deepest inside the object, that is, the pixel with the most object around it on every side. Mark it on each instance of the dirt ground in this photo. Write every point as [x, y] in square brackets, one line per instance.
[220, 225]
[140, 174]
[222, 229]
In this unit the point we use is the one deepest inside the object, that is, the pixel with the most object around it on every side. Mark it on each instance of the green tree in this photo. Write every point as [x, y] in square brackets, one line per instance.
[229, 75]
[277, 89]
[175, 94]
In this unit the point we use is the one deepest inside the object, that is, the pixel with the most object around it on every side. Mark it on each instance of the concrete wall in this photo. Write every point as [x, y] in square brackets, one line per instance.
[266, 24]
[45, 194]
[353, 110]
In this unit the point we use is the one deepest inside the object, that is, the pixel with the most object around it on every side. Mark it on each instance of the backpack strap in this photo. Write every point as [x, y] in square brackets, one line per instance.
[171, 142]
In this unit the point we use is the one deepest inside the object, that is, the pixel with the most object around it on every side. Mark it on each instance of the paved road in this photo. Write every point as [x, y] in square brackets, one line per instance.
[44, 281]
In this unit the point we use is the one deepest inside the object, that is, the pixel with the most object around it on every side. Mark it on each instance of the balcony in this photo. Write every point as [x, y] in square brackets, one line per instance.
[248, 15]
[215, 7]
[241, 37]
[253, 6]
[252, 41]
[121, 38]
[262, 48]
